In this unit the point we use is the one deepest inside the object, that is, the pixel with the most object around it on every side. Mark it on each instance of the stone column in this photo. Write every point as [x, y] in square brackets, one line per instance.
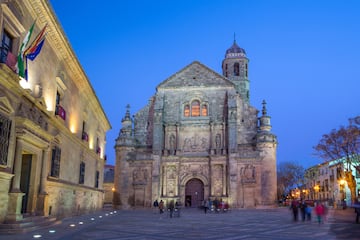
[15, 194]
[17, 166]
[42, 201]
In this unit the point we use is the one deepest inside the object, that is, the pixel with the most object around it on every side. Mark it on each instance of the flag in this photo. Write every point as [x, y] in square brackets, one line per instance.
[35, 51]
[36, 42]
[20, 62]
[11, 60]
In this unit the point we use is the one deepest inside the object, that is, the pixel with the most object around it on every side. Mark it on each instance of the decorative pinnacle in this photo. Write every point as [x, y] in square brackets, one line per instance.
[127, 114]
[264, 108]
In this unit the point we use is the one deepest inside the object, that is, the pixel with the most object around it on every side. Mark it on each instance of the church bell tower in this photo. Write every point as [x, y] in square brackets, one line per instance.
[235, 68]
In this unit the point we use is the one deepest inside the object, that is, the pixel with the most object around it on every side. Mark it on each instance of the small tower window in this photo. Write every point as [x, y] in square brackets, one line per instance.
[195, 108]
[187, 111]
[246, 70]
[204, 111]
[236, 69]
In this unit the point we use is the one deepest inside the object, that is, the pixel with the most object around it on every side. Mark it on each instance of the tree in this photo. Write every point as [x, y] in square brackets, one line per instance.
[342, 146]
[289, 176]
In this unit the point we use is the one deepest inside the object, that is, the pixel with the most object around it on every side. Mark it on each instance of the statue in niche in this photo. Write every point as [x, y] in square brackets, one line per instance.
[171, 172]
[218, 141]
[172, 144]
[204, 143]
[187, 144]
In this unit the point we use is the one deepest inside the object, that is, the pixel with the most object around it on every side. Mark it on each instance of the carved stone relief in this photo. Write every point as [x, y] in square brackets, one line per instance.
[248, 174]
[171, 172]
[194, 170]
[33, 114]
[140, 176]
[195, 144]
[218, 179]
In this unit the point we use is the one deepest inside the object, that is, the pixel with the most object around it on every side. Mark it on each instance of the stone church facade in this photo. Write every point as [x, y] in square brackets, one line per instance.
[198, 138]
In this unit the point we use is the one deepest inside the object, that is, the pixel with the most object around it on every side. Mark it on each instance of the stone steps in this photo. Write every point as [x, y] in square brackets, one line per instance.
[27, 224]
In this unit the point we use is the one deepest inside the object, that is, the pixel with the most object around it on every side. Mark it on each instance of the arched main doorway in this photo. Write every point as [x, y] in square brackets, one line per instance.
[194, 193]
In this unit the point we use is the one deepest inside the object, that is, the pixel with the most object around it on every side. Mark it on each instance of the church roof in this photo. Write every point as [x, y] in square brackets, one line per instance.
[195, 75]
[235, 49]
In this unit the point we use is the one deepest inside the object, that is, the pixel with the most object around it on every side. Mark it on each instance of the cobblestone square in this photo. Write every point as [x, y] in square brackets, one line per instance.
[194, 224]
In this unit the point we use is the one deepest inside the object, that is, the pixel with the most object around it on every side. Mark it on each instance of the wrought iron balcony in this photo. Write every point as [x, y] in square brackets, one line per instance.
[60, 111]
[85, 136]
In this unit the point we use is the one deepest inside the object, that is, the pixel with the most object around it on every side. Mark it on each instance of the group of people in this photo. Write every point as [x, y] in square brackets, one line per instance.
[216, 205]
[171, 207]
[305, 210]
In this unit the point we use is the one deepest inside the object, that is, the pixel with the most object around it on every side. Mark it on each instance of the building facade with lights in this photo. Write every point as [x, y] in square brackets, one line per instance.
[52, 125]
[198, 138]
[326, 182]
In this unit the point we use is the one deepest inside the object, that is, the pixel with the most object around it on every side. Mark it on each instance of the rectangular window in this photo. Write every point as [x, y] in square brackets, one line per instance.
[82, 173]
[5, 127]
[55, 162]
[6, 46]
[84, 135]
[97, 175]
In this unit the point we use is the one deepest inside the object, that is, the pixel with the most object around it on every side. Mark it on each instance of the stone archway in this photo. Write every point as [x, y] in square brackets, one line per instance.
[194, 193]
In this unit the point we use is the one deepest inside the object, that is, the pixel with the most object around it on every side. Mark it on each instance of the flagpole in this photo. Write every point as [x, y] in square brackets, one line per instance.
[26, 68]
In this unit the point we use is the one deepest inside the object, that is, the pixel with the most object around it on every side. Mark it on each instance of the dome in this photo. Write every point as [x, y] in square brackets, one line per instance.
[235, 51]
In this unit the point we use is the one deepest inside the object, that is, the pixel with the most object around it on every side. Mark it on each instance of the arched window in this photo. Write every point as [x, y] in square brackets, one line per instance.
[195, 108]
[204, 111]
[187, 111]
[236, 69]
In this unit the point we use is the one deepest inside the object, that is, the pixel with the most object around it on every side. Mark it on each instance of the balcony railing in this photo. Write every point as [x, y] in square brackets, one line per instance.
[85, 136]
[98, 150]
[60, 111]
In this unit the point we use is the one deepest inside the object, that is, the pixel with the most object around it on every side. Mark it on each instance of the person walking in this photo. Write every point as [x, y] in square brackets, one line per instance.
[303, 207]
[295, 209]
[206, 205]
[155, 205]
[171, 208]
[308, 212]
[161, 206]
[320, 211]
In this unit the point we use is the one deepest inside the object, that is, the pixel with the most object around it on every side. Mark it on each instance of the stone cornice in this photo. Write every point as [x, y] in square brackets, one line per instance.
[43, 12]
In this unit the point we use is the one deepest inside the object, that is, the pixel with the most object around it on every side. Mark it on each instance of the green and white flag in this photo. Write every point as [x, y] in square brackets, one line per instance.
[20, 58]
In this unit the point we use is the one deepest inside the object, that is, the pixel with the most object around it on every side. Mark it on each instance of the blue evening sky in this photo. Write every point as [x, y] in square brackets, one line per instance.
[304, 57]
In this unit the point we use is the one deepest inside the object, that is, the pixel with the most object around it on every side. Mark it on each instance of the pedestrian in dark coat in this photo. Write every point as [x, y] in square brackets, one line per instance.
[295, 209]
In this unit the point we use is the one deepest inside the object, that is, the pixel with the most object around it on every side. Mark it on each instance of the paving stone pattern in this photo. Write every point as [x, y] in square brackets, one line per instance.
[194, 224]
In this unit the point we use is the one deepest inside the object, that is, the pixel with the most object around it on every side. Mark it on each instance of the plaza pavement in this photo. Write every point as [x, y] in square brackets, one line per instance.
[194, 224]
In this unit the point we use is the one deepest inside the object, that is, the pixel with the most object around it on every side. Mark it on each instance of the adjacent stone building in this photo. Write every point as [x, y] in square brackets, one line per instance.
[52, 126]
[198, 138]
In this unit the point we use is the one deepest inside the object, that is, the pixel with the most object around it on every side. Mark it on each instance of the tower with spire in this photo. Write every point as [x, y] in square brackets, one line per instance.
[235, 68]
